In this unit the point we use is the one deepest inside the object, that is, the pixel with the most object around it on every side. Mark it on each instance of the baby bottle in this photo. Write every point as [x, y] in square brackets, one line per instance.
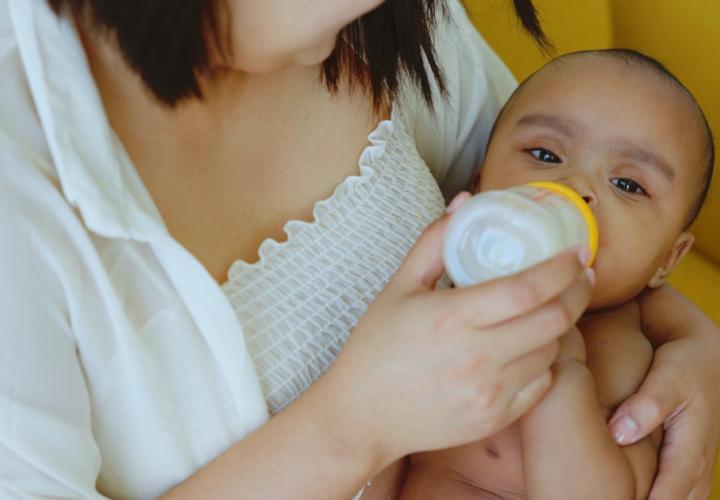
[498, 233]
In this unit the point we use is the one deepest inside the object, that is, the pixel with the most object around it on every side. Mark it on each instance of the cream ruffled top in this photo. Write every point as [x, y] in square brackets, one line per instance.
[300, 301]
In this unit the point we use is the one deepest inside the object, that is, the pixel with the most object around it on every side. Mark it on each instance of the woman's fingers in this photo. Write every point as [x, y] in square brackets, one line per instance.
[506, 298]
[517, 386]
[683, 472]
[657, 398]
[529, 332]
[526, 398]
[680, 468]
[423, 266]
[521, 372]
[689, 446]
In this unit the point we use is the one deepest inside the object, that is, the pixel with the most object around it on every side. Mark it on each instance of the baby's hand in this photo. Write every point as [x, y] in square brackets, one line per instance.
[572, 346]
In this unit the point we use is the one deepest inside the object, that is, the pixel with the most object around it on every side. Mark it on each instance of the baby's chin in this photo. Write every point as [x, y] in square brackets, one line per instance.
[600, 304]
[606, 294]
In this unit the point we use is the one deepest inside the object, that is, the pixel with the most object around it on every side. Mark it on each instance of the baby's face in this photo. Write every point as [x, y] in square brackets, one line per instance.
[627, 141]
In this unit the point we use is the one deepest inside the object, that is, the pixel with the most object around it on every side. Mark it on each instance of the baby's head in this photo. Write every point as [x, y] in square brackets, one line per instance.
[623, 132]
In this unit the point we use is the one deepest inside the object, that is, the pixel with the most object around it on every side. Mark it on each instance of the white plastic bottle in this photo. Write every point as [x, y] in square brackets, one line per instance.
[497, 233]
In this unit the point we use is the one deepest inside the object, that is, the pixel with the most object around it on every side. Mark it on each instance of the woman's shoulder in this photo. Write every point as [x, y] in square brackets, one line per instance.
[38, 225]
[23, 145]
[30, 193]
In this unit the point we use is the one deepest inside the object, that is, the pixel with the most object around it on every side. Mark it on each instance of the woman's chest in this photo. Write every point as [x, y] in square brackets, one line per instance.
[222, 194]
[299, 303]
[225, 216]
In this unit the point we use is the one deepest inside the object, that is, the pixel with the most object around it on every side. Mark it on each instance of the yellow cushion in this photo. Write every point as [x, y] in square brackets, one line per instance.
[683, 35]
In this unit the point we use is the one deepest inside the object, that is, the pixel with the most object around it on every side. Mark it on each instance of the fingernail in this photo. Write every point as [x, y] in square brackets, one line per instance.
[590, 272]
[625, 430]
[457, 202]
[584, 255]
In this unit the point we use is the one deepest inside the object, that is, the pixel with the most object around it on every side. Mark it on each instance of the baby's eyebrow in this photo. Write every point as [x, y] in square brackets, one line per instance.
[633, 152]
[559, 124]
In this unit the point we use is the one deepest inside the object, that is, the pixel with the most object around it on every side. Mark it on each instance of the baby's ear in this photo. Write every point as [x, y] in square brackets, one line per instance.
[682, 246]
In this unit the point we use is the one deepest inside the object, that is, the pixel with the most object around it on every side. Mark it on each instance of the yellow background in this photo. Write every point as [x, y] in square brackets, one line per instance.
[683, 35]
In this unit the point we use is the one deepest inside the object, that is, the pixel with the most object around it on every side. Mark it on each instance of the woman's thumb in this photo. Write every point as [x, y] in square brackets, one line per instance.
[423, 265]
[645, 411]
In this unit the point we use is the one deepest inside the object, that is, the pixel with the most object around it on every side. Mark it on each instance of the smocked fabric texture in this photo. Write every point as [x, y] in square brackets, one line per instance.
[300, 301]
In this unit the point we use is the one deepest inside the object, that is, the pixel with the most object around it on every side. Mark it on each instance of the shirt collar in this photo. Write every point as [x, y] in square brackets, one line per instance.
[94, 169]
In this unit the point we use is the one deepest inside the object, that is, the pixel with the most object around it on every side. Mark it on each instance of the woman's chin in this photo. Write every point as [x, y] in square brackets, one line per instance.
[316, 54]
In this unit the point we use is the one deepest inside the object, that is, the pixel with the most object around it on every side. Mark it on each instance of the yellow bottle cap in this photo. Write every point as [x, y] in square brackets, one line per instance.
[583, 207]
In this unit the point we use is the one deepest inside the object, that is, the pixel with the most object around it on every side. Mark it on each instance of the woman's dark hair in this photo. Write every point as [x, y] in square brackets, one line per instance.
[167, 43]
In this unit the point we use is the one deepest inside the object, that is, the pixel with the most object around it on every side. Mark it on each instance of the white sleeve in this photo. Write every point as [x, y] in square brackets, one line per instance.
[452, 139]
[47, 448]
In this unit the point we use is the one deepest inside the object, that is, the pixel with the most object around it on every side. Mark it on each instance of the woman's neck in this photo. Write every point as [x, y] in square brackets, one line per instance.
[227, 96]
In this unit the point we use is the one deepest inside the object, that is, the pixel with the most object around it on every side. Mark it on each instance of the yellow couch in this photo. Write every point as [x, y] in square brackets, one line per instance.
[682, 35]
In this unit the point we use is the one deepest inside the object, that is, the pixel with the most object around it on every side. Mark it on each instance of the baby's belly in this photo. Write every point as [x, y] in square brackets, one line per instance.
[472, 471]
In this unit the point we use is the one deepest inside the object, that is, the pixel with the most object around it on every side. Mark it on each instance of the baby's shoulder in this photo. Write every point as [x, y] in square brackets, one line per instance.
[615, 334]
[618, 354]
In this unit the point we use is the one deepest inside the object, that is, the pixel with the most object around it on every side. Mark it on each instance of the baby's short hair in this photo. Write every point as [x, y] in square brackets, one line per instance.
[639, 61]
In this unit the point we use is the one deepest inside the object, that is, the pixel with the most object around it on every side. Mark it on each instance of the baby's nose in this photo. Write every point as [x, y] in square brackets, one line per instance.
[589, 198]
[583, 186]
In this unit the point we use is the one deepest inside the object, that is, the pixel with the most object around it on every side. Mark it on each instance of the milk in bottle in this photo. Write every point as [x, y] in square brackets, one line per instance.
[497, 233]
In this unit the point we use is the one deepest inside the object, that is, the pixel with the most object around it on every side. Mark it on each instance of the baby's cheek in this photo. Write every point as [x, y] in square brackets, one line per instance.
[620, 276]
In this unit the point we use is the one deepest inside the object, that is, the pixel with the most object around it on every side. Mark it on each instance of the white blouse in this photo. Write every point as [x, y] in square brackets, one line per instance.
[123, 365]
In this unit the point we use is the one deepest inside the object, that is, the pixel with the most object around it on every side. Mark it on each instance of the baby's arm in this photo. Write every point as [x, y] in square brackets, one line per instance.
[567, 449]
[619, 357]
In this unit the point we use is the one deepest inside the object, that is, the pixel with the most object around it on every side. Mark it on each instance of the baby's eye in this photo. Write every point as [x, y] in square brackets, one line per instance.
[544, 155]
[628, 185]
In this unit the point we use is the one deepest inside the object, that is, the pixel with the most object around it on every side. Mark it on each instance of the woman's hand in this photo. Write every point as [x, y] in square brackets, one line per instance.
[680, 393]
[423, 369]
[427, 369]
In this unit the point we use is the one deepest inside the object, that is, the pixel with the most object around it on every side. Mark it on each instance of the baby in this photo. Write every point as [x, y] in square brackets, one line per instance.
[623, 132]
